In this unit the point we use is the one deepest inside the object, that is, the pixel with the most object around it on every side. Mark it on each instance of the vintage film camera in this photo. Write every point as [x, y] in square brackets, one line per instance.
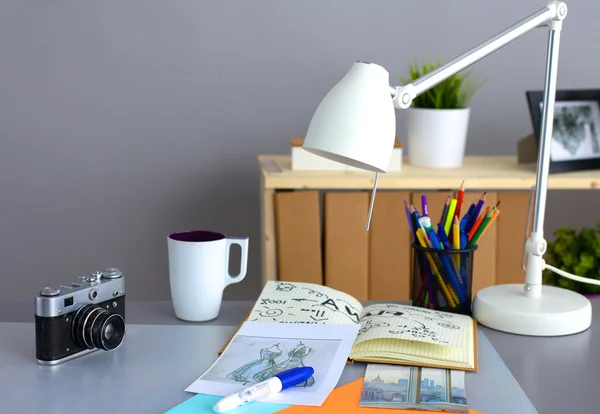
[74, 319]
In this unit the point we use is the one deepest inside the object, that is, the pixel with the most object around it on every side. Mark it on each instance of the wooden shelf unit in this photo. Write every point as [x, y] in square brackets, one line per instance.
[509, 181]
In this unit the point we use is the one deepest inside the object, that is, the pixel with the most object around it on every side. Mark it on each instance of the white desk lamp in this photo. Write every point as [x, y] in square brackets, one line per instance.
[355, 125]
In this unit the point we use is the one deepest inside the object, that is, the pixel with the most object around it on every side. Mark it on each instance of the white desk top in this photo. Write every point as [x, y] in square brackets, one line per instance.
[162, 355]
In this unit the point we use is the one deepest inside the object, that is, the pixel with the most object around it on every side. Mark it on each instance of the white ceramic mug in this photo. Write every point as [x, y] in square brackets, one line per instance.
[199, 272]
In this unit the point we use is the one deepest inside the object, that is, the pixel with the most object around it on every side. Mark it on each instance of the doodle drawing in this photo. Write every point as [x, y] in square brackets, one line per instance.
[285, 287]
[295, 359]
[246, 372]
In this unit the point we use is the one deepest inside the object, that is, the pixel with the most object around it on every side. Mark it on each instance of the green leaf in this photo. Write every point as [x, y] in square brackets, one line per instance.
[455, 92]
[577, 253]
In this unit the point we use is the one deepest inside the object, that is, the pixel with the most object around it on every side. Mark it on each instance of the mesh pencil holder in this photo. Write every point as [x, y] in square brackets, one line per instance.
[442, 279]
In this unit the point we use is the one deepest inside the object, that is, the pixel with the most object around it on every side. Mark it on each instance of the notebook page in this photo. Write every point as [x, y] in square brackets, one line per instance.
[392, 321]
[410, 350]
[395, 359]
[379, 350]
[295, 302]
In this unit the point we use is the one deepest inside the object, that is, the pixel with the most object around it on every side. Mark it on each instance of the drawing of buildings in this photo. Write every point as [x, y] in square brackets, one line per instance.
[409, 388]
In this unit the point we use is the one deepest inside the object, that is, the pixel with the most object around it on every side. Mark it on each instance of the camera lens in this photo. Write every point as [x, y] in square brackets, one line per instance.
[95, 327]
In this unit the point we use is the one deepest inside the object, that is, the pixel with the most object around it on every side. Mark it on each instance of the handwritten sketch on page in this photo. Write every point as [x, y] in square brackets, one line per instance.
[392, 321]
[260, 350]
[304, 303]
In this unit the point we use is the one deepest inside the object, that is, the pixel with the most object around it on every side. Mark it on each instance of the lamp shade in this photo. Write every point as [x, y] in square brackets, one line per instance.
[355, 124]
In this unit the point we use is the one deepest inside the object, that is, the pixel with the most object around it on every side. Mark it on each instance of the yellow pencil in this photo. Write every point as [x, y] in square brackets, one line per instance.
[456, 237]
[456, 233]
[450, 216]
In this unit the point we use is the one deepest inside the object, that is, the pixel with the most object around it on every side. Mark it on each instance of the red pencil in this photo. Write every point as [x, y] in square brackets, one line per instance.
[459, 199]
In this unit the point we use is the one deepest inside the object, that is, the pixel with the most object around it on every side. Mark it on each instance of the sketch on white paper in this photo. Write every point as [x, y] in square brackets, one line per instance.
[260, 350]
[254, 359]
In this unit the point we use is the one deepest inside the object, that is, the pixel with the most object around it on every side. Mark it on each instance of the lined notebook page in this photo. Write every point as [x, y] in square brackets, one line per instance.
[392, 321]
[389, 350]
[295, 302]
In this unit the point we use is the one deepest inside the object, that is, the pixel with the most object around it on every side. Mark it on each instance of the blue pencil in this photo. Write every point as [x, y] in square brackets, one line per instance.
[410, 224]
[477, 211]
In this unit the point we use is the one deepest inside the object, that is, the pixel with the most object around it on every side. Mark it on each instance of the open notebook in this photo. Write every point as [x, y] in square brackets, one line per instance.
[389, 333]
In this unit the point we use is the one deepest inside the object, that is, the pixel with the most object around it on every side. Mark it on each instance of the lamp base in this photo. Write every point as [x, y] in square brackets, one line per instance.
[557, 312]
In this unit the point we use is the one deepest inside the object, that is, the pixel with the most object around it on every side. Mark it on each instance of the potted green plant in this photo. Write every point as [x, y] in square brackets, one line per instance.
[577, 253]
[437, 121]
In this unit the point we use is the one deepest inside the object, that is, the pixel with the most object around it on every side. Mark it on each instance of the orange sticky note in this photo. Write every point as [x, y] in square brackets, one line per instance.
[345, 400]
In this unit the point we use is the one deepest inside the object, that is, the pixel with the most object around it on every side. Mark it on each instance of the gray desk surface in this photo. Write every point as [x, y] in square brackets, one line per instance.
[558, 375]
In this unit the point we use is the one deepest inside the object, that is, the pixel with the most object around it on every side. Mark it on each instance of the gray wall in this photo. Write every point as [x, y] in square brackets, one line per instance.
[122, 121]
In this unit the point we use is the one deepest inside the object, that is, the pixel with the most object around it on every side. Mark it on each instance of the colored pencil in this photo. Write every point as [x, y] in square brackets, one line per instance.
[495, 214]
[477, 211]
[478, 222]
[447, 266]
[408, 217]
[479, 231]
[434, 269]
[413, 217]
[445, 210]
[456, 233]
[459, 199]
[449, 216]
[456, 237]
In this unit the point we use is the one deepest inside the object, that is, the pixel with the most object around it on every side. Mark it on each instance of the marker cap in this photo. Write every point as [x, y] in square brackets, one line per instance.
[294, 376]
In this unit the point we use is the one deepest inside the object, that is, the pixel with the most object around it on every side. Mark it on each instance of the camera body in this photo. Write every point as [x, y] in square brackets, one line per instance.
[75, 319]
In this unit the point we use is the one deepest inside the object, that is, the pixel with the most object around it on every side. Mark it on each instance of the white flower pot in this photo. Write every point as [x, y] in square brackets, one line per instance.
[436, 138]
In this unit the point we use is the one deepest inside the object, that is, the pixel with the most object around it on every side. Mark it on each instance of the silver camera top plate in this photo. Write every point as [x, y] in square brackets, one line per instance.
[96, 287]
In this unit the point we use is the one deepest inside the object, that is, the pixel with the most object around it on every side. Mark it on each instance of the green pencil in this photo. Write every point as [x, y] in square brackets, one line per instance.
[481, 228]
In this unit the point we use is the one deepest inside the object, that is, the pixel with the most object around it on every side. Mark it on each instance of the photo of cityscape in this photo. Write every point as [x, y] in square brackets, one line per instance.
[418, 388]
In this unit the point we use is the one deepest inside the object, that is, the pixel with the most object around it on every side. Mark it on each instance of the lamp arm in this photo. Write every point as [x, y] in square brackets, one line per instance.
[551, 15]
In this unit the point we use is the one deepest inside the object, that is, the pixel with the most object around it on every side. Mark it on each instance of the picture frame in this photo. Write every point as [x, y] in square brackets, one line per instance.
[576, 131]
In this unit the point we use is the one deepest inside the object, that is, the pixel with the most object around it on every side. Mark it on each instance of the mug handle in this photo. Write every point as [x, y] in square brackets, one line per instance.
[243, 243]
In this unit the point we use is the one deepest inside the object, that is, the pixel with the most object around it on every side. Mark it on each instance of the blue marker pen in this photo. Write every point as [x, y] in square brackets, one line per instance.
[264, 389]
[463, 260]
[442, 236]
[425, 223]
[463, 239]
[465, 220]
